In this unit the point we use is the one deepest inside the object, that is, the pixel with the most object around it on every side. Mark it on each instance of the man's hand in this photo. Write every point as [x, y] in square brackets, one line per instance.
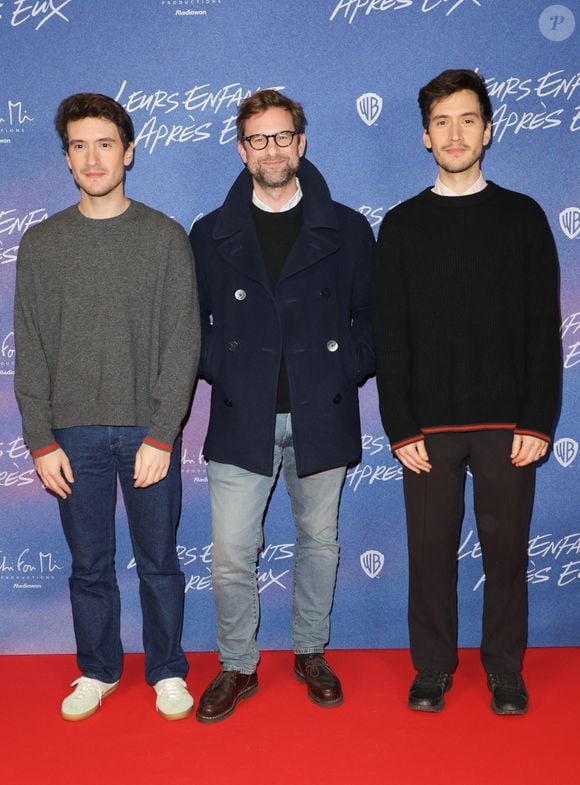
[414, 457]
[527, 449]
[55, 472]
[151, 465]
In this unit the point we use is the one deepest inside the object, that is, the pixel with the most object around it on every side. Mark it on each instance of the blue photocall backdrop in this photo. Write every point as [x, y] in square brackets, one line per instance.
[181, 68]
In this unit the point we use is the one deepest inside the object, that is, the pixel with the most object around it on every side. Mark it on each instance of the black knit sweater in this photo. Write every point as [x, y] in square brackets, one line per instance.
[466, 316]
[277, 233]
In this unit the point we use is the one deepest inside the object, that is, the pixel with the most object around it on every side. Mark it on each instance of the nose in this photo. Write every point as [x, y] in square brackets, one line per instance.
[455, 129]
[92, 155]
[271, 146]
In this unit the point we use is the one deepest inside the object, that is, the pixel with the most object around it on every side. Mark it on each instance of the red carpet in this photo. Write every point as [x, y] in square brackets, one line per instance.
[278, 737]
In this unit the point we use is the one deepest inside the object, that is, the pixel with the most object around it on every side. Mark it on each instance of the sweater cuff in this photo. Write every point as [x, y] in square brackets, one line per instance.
[158, 445]
[537, 434]
[45, 450]
[405, 442]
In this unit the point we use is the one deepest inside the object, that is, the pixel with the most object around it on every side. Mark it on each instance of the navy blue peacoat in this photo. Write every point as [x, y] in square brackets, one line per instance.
[318, 317]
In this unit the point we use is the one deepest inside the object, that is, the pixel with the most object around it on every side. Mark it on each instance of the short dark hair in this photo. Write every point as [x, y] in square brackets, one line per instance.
[261, 100]
[81, 105]
[449, 82]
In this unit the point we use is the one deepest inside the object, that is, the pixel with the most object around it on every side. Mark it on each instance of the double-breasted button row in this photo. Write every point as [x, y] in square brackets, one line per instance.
[325, 293]
[232, 346]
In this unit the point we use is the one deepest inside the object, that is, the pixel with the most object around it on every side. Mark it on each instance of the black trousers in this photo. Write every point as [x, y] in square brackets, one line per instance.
[503, 497]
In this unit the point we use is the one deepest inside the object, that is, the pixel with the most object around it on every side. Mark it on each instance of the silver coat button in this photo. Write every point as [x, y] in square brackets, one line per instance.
[240, 294]
[332, 346]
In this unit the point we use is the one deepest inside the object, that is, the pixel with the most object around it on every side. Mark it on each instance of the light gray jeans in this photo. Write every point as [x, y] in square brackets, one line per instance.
[238, 501]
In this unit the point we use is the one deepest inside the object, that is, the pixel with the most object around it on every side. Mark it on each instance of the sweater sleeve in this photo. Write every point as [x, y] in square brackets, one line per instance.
[178, 346]
[32, 384]
[543, 350]
[392, 337]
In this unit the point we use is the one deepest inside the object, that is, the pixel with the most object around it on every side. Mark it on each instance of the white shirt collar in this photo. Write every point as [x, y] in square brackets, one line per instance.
[443, 190]
[292, 202]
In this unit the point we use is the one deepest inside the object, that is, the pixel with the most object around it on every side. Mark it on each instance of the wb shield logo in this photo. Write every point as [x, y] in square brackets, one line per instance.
[565, 451]
[570, 222]
[372, 563]
[369, 106]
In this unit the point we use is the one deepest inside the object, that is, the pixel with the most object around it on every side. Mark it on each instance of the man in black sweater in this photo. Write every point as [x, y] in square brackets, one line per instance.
[284, 279]
[468, 356]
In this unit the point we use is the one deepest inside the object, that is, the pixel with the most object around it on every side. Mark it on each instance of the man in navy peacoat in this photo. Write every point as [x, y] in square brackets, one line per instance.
[284, 286]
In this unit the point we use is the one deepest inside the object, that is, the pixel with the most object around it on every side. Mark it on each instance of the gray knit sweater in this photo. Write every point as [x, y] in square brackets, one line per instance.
[106, 325]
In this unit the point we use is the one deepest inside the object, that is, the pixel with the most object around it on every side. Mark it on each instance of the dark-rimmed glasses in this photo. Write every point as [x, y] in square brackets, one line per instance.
[260, 141]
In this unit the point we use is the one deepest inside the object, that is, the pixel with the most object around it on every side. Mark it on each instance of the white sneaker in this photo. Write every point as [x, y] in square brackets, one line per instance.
[86, 698]
[173, 700]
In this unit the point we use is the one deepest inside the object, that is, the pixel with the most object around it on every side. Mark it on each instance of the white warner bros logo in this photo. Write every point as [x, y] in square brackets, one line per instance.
[372, 563]
[565, 451]
[369, 106]
[570, 222]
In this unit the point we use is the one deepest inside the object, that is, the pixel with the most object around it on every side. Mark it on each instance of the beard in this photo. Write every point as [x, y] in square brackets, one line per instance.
[101, 187]
[448, 164]
[274, 179]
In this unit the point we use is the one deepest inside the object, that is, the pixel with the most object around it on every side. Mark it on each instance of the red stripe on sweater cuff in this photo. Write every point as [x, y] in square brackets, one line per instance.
[525, 432]
[159, 445]
[44, 450]
[406, 442]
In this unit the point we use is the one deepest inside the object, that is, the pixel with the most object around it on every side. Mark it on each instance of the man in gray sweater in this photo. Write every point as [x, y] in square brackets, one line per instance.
[107, 342]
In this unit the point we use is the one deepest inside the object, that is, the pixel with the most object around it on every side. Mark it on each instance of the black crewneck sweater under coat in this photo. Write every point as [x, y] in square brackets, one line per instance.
[277, 233]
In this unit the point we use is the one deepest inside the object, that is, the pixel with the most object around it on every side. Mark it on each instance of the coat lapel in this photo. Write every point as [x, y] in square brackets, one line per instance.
[311, 246]
[235, 234]
[237, 241]
[242, 251]
[320, 231]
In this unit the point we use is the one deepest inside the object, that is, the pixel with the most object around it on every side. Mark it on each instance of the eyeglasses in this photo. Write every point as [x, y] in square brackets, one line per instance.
[260, 141]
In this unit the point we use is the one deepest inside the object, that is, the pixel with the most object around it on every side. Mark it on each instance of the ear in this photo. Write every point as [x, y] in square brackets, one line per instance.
[242, 152]
[128, 157]
[301, 144]
[67, 158]
[487, 134]
[426, 139]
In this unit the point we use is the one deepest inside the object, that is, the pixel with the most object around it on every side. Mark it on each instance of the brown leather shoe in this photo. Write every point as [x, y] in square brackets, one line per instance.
[323, 684]
[220, 698]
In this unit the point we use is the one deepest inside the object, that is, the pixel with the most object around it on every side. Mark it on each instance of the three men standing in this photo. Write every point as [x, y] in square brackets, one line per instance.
[284, 284]
[468, 359]
[107, 339]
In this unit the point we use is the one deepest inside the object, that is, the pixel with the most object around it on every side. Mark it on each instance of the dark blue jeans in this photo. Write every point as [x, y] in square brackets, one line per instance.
[99, 455]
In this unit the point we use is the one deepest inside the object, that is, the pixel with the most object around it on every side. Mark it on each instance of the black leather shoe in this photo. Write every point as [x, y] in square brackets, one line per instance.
[428, 689]
[508, 693]
[220, 698]
[323, 684]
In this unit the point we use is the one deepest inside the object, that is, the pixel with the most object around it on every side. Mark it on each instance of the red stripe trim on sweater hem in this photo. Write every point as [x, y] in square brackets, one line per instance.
[407, 441]
[474, 427]
[538, 435]
[159, 445]
[44, 450]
